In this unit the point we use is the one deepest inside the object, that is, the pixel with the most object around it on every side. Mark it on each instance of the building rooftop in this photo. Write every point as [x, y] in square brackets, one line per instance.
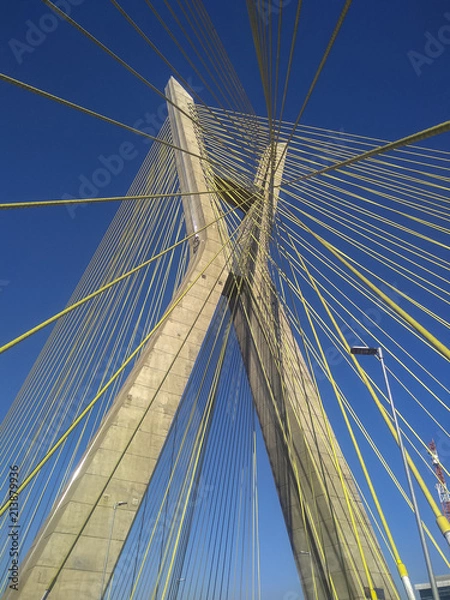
[441, 581]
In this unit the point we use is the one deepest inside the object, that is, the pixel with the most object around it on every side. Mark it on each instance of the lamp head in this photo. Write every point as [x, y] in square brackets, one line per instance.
[364, 351]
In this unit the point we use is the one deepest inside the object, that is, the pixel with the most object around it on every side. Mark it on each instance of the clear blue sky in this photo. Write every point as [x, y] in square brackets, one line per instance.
[369, 86]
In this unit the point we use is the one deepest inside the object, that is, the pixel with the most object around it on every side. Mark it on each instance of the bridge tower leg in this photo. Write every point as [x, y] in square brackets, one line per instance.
[314, 484]
[67, 559]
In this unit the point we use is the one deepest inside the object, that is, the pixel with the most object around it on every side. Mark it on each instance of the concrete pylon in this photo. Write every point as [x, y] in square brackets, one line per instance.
[314, 484]
[67, 560]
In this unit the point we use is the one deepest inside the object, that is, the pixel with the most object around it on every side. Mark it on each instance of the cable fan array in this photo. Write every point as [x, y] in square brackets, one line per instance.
[379, 215]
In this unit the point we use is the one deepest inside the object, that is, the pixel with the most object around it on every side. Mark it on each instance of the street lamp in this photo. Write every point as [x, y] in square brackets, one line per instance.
[378, 352]
[116, 505]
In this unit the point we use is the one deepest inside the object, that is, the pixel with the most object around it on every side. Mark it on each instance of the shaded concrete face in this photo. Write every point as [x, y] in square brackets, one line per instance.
[82, 539]
[309, 469]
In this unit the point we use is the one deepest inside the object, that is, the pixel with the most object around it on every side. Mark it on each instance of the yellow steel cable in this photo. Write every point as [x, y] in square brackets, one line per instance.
[171, 66]
[105, 387]
[92, 113]
[365, 225]
[198, 10]
[423, 444]
[289, 66]
[191, 468]
[386, 183]
[175, 39]
[364, 247]
[30, 404]
[350, 557]
[392, 172]
[392, 339]
[107, 286]
[410, 139]
[441, 520]
[254, 21]
[102, 391]
[311, 351]
[173, 470]
[362, 140]
[105, 312]
[328, 49]
[353, 226]
[403, 419]
[34, 390]
[338, 467]
[61, 440]
[256, 513]
[223, 68]
[203, 32]
[362, 523]
[402, 159]
[113, 55]
[283, 424]
[408, 370]
[240, 418]
[429, 414]
[382, 205]
[64, 15]
[379, 182]
[435, 343]
[371, 141]
[69, 201]
[334, 337]
[380, 457]
[373, 444]
[396, 267]
[123, 320]
[426, 203]
[400, 566]
[340, 200]
[277, 64]
[376, 450]
[405, 185]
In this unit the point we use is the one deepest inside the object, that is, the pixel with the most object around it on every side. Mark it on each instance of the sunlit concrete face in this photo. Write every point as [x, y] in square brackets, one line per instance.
[75, 552]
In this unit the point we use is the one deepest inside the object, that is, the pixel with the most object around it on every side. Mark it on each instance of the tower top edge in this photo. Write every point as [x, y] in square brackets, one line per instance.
[174, 89]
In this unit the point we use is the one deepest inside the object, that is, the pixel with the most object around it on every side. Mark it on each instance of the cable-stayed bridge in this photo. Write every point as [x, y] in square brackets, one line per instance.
[199, 331]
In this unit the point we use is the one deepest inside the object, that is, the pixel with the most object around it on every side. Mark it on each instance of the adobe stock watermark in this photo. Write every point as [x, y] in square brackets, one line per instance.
[435, 45]
[267, 7]
[442, 442]
[14, 528]
[3, 284]
[36, 33]
[110, 166]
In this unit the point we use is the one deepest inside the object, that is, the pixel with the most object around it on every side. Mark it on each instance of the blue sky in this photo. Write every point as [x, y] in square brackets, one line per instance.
[371, 86]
